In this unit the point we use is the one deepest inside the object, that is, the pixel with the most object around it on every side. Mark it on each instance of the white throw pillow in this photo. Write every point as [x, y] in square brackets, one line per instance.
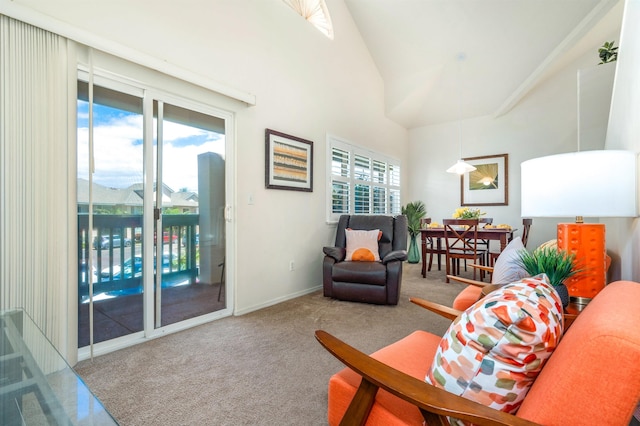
[362, 246]
[507, 268]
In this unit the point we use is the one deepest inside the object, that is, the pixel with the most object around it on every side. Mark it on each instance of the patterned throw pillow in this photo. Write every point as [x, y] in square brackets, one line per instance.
[494, 350]
[552, 244]
[362, 246]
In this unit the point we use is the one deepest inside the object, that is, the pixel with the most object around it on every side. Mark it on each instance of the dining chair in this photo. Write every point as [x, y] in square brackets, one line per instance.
[484, 244]
[430, 246]
[526, 226]
[461, 243]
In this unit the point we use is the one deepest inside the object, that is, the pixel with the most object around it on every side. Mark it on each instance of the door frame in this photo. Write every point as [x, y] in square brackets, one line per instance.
[117, 82]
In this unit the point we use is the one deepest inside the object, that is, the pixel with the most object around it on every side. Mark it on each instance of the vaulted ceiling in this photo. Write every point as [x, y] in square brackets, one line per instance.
[442, 60]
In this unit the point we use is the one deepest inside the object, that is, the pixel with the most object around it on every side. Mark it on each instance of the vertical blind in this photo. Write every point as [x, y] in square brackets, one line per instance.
[37, 158]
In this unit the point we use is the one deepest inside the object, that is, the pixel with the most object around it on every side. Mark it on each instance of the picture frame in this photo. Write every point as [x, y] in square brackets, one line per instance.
[288, 162]
[488, 185]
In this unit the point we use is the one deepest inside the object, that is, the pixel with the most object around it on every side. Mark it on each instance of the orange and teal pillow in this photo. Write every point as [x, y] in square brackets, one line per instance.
[494, 350]
[362, 246]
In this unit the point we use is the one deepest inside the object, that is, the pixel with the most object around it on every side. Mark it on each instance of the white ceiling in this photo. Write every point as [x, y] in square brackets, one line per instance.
[442, 60]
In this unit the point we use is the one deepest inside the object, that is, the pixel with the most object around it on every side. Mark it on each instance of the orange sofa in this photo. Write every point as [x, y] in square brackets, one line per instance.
[592, 378]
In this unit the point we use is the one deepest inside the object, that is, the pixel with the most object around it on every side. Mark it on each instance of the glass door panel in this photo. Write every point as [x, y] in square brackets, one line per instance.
[110, 250]
[189, 192]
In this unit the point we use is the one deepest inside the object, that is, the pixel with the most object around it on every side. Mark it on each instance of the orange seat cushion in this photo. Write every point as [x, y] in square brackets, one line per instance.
[467, 297]
[411, 355]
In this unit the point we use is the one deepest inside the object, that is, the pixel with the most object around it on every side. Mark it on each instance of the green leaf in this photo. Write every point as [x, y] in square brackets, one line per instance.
[414, 211]
[558, 265]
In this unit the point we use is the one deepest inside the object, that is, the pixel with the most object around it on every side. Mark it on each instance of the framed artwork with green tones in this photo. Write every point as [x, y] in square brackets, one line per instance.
[488, 185]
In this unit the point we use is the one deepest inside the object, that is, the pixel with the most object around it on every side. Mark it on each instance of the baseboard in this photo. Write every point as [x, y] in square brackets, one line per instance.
[272, 302]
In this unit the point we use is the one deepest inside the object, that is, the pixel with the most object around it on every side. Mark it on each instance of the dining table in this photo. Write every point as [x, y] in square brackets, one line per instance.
[504, 235]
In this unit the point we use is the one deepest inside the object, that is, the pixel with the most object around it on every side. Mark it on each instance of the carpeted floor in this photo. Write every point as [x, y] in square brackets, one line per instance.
[263, 368]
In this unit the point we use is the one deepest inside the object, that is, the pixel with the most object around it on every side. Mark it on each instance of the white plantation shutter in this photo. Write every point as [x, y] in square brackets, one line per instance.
[379, 200]
[340, 163]
[361, 181]
[340, 173]
[395, 205]
[362, 176]
[379, 180]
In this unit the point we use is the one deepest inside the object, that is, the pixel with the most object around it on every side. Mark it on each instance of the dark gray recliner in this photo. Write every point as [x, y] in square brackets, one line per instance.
[369, 282]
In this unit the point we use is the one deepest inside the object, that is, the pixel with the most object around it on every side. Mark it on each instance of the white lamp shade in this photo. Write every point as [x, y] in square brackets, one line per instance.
[586, 183]
[461, 168]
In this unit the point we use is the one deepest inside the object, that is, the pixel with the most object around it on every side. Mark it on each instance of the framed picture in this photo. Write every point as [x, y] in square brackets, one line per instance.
[288, 162]
[488, 185]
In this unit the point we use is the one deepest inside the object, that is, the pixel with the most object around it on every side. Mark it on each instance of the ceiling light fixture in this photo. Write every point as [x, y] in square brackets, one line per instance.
[460, 167]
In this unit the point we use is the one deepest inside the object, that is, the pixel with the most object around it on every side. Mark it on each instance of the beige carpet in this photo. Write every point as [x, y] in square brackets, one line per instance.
[263, 368]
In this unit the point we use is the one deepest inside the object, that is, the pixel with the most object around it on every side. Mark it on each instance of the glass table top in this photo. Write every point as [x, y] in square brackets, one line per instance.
[37, 386]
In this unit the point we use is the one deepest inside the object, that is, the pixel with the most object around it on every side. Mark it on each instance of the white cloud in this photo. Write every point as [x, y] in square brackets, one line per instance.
[118, 153]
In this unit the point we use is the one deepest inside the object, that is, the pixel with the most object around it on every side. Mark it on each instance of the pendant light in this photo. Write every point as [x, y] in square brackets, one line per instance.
[460, 167]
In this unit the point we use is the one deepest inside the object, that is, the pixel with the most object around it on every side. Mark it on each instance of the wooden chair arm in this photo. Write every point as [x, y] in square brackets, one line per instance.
[482, 267]
[435, 404]
[468, 281]
[442, 310]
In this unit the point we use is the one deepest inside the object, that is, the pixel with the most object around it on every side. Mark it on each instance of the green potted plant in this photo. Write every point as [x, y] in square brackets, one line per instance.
[608, 53]
[414, 211]
[558, 265]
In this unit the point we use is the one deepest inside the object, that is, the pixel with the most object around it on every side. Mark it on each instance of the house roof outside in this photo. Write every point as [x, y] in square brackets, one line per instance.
[132, 196]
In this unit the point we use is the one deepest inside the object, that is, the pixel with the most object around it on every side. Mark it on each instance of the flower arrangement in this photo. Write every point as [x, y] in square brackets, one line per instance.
[467, 213]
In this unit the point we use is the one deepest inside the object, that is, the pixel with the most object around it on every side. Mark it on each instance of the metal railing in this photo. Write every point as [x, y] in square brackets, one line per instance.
[116, 246]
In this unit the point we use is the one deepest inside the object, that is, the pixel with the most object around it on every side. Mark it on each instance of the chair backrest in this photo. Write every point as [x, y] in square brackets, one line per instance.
[461, 236]
[394, 230]
[424, 222]
[486, 220]
[526, 225]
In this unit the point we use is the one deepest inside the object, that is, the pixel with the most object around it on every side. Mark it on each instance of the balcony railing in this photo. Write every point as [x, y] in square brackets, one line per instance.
[116, 246]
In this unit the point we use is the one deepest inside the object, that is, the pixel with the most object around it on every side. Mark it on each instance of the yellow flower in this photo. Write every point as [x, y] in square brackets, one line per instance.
[467, 213]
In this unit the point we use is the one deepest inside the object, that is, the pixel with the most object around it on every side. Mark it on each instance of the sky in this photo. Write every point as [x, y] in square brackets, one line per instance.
[118, 148]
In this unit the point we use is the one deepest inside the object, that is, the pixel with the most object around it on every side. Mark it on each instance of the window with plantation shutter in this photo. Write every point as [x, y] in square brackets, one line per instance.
[361, 181]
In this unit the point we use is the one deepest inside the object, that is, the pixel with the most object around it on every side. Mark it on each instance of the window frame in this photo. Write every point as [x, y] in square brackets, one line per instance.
[388, 182]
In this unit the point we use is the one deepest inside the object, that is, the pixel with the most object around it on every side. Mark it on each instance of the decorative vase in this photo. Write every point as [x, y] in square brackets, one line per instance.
[414, 251]
[563, 292]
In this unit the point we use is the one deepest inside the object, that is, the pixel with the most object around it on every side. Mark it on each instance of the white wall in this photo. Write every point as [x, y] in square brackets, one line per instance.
[305, 85]
[623, 235]
[542, 123]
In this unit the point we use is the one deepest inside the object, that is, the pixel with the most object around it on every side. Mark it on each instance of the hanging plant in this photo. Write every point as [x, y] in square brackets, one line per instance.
[608, 53]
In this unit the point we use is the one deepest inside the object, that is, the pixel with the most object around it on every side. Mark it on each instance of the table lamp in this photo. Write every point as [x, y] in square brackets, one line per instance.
[582, 184]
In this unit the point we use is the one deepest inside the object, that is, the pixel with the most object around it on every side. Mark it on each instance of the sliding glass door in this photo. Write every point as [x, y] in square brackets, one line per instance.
[189, 197]
[110, 184]
[151, 211]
